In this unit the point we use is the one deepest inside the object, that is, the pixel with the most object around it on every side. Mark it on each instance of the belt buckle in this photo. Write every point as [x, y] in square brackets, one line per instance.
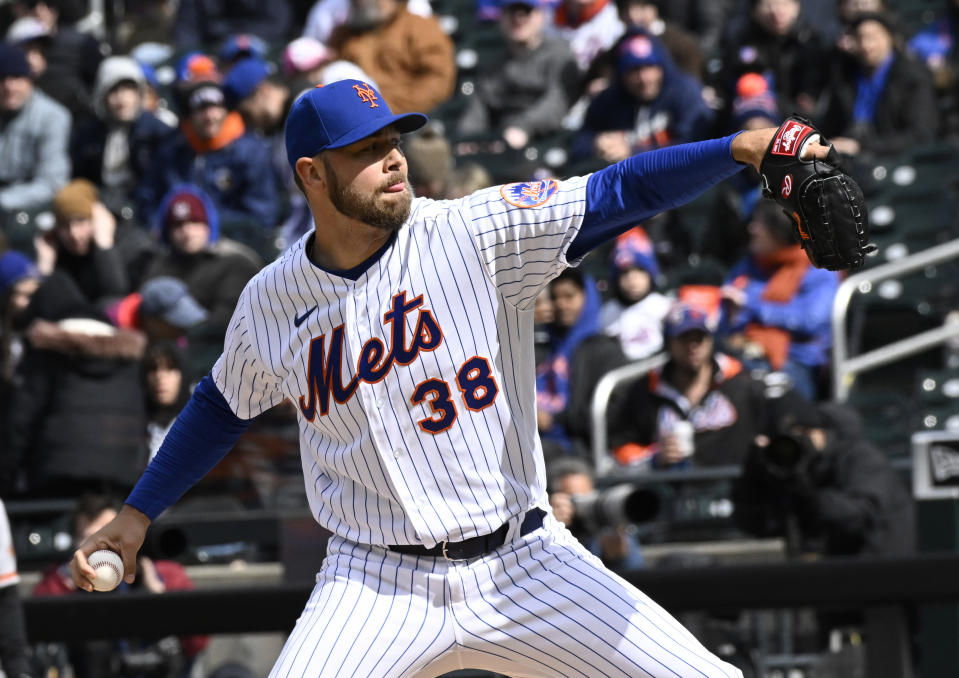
[445, 554]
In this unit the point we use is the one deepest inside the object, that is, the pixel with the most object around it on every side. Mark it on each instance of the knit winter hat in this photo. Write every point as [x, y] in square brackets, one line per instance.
[75, 200]
[639, 50]
[15, 267]
[13, 62]
[634, 249]
[304, 54]
[183, 207]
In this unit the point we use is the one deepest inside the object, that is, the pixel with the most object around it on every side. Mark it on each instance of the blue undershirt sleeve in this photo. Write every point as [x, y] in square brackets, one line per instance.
[204, 431]
[626, 193]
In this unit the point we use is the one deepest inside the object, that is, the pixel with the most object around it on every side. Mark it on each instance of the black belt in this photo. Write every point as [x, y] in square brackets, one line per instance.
[474, 547]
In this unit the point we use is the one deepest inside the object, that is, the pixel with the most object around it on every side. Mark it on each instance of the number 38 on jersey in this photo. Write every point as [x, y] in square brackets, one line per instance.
[474, 379]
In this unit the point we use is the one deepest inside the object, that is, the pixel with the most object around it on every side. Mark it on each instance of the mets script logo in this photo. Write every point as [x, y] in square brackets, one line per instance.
[787, 188]
[529, 193]
[789, 138]
[366, 94]
[412, 330]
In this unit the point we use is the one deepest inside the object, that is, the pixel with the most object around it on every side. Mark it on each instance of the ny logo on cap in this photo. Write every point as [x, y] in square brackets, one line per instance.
[366, 94]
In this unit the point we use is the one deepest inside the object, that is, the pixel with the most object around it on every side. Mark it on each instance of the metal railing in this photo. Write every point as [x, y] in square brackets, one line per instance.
[883, 588]
[846, 367]
[600, 405]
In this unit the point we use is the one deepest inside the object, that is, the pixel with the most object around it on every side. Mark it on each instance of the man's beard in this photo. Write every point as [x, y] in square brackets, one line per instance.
[365, 208]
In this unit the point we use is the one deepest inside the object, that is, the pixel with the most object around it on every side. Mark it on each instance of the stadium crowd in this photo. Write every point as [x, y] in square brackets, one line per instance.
[143, 182]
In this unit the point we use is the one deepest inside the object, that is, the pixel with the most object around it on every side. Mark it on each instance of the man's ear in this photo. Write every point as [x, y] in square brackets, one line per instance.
[310, 175]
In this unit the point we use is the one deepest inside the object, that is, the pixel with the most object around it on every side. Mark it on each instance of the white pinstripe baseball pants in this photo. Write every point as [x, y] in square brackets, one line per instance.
[540, 606]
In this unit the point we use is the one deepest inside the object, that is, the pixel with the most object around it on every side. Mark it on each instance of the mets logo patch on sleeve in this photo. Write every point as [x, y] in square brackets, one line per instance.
[529, 193]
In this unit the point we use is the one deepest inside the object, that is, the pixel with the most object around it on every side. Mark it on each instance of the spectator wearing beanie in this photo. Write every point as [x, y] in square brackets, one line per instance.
[215, 151]
[19, 280]
[82, 244]
[116, 145]
[188, 226]
[635, 313]
[34, 162]
[651, 104]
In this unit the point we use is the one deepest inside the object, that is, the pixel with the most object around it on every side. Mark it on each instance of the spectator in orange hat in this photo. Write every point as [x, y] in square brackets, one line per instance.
[82, 244]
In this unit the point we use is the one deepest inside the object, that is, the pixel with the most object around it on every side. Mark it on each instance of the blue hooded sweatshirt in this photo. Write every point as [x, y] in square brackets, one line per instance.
[678, 114]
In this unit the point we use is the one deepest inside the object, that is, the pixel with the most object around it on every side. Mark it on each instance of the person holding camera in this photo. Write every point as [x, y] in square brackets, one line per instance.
[571, 487]
[819, 483]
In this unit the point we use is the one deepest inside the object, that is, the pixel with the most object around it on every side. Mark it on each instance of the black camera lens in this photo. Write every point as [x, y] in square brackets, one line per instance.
[783, 455]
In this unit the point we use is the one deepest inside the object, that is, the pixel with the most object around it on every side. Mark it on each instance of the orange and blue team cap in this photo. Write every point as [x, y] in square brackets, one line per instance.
[684, 317]
[339, 114]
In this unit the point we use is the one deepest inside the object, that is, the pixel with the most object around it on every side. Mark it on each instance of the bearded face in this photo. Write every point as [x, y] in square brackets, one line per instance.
[373, 209]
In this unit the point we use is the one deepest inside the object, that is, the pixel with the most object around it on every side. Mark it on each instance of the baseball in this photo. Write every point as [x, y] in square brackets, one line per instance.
[109, 569]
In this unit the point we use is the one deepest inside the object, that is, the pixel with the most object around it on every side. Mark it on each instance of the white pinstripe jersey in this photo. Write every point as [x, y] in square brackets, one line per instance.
[8, 560]
[415, 382]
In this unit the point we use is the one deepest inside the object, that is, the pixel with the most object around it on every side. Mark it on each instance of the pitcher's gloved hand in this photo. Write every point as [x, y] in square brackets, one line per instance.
[825, 204]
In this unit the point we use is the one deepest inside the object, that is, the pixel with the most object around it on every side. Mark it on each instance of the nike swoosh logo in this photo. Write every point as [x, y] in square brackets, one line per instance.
[300, 319]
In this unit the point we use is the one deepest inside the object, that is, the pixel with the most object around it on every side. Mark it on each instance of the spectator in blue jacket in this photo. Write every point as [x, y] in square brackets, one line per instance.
[651, 104]
[776, 305]
[579, 354]
[215, 151]
[115, 148]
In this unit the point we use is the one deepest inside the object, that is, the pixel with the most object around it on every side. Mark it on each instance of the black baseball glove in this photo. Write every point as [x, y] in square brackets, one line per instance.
[825, 204]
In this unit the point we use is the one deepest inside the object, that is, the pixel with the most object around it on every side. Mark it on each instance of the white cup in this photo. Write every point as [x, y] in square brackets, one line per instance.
[684, 432]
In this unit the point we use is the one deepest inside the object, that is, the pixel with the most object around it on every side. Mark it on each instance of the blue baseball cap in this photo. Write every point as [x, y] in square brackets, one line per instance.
[339, 114]
[685, 317]
[244, 78]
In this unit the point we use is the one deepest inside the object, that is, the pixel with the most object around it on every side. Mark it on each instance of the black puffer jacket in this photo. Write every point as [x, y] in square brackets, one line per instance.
[846, 500]
[77, 419]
